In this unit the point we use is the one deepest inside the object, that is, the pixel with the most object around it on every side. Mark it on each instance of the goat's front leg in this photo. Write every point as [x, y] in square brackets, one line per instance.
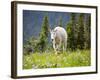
[54, 46]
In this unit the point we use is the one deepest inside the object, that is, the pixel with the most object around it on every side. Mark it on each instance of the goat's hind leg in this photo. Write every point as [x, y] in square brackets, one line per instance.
[64, 46]
[55, 48]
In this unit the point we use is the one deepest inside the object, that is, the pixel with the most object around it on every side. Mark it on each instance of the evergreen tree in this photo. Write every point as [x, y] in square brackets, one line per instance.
[79, 31]
[43, 38]
[81, 38]
[87, 31]
[72, 38]
[68, 29]
[71, 30]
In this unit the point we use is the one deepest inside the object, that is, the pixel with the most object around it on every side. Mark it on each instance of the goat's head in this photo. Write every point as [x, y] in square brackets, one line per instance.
[53, 34]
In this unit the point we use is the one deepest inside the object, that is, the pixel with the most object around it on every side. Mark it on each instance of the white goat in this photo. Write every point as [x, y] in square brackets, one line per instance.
[59, 38]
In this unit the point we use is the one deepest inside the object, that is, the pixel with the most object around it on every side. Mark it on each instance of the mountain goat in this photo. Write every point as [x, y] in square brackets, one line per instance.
[59, 39]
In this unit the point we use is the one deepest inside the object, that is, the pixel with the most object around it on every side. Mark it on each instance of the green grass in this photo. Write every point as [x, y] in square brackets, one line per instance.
[51, 60]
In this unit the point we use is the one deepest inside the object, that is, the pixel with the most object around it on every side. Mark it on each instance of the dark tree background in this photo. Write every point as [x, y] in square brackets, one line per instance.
[79, 31]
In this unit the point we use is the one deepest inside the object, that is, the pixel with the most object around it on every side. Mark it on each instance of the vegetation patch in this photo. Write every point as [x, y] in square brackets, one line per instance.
[50, 60]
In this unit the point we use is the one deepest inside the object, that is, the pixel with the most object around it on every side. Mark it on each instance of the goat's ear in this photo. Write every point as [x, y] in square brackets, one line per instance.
[55, 30]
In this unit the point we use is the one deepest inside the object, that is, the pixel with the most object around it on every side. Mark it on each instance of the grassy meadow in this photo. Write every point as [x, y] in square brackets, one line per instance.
[50, 60]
